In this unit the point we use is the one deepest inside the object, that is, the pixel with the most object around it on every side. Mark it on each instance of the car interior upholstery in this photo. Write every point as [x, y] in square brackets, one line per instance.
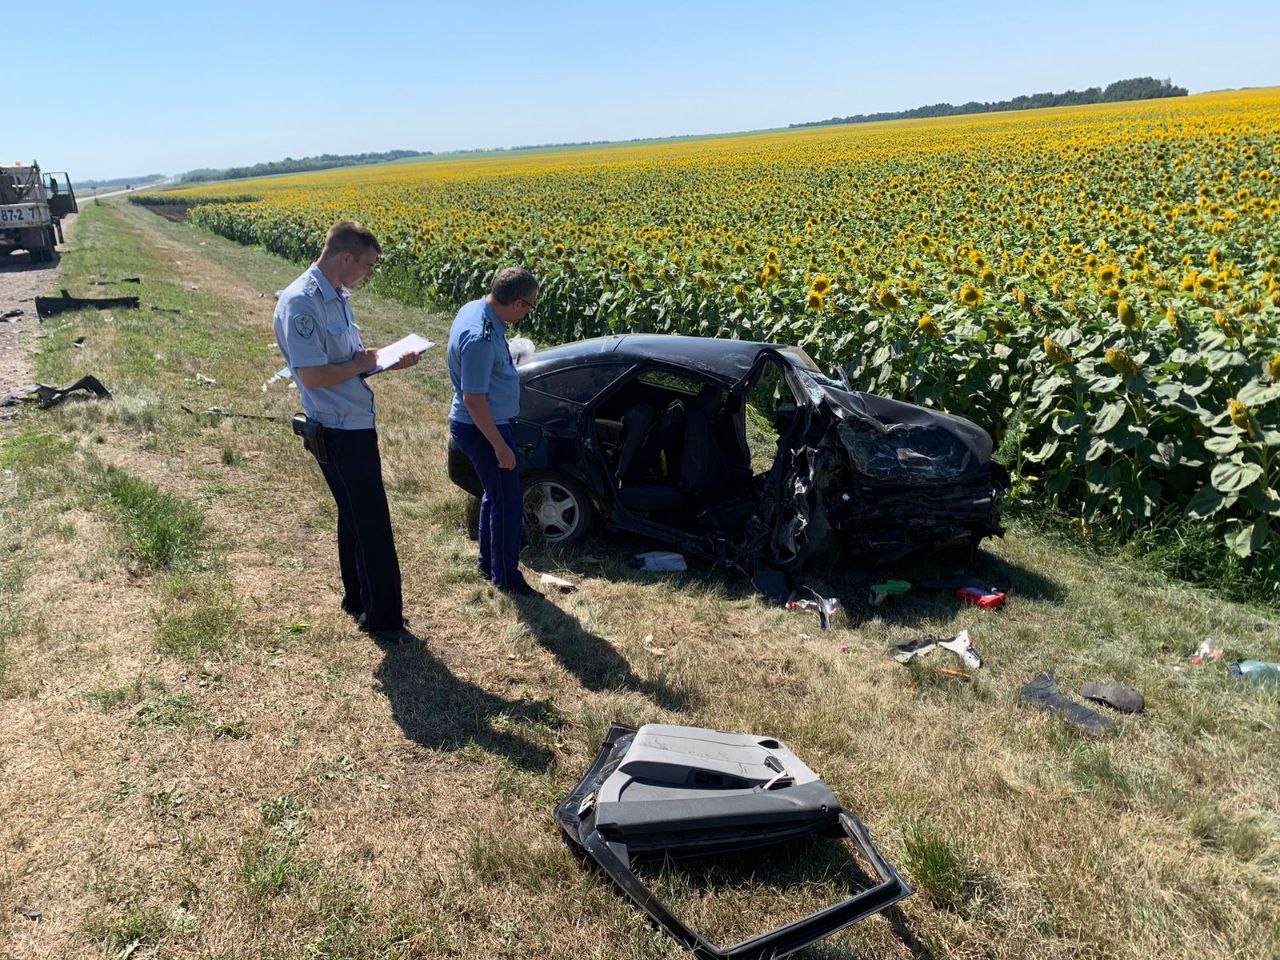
[674, 451]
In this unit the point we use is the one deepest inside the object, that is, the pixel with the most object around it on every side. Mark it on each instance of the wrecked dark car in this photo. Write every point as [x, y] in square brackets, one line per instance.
[742, 453]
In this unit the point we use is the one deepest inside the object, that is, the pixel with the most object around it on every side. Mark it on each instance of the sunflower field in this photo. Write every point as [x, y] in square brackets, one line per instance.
[1099, 286]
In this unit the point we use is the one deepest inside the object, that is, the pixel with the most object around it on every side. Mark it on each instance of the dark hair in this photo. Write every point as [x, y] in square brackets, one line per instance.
[347, 236]
[512, 284]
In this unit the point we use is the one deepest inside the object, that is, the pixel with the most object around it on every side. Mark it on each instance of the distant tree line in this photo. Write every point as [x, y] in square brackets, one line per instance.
[1138, 88]
[325, 161]
[119, 181]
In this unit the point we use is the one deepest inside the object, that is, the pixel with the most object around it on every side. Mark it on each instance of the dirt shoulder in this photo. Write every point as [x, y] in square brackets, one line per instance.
[20, 283]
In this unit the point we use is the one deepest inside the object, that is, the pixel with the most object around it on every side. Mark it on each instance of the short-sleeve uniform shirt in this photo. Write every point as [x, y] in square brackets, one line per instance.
[480, 362]
[315, 326]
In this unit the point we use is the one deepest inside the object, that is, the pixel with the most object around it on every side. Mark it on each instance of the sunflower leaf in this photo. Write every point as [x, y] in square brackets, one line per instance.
[1233, 477]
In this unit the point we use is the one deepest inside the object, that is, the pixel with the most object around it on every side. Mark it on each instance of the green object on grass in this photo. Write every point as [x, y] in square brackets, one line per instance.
[891, 588]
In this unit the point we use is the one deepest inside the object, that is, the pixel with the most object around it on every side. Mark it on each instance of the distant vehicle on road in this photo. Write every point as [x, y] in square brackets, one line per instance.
[32, 205]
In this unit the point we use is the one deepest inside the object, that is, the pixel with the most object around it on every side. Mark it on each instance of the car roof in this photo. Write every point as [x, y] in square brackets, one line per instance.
[726, 359]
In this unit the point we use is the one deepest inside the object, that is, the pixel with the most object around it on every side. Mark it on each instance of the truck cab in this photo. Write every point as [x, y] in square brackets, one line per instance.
[32, 205]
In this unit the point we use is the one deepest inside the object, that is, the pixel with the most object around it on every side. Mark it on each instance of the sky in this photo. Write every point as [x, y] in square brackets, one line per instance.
[133, 87]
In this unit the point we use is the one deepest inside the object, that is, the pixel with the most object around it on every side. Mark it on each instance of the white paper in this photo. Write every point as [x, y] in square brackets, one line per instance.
[389, 355]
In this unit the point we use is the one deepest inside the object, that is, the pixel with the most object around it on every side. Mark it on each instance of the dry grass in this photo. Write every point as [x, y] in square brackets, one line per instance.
[203, 758]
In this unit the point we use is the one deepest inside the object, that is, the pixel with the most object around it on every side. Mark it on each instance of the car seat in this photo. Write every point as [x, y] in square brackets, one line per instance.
[635, 430]
[705, 471]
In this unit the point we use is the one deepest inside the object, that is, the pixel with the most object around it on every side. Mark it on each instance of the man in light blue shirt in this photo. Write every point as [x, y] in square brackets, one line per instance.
[486, 398]
[317, 333]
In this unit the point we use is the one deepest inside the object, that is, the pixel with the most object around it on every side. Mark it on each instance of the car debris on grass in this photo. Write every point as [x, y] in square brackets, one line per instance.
[48, 395]
[666, 792]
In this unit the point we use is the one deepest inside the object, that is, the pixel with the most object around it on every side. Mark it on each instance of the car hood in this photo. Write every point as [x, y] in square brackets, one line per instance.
[900, 442]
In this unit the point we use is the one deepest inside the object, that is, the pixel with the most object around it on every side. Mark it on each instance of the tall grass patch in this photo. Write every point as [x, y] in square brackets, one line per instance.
[163, 531]
[940, 866]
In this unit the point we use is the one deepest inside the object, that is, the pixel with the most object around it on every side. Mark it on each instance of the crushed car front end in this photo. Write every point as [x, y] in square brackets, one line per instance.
[877, 478]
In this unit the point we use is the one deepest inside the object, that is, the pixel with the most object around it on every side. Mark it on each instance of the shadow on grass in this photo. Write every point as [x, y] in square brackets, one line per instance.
[607, 556]
[853, 587]
[21, 263]
[438, 711]
[588, 656]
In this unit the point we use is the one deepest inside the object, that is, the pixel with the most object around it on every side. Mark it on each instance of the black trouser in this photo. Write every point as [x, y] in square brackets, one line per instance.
[366, 547]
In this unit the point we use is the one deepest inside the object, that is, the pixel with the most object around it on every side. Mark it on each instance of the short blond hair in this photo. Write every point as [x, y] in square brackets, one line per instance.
[347, 236]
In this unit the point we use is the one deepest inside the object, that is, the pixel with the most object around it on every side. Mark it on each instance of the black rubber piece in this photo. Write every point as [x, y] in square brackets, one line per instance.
[1043, 692]
[1125, 699]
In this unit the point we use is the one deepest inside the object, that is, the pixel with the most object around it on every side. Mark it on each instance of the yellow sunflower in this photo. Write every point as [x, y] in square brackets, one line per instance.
[970, 295]
[1273, 369]
[1227, 325]
[1241, 417]
[1054, 353]
[1121, 362]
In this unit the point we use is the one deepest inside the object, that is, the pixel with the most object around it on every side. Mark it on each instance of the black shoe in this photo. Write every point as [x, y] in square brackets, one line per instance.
[394, 637]
[520, 588]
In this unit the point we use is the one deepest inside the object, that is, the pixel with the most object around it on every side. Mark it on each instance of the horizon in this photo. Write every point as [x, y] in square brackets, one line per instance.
[714, 70]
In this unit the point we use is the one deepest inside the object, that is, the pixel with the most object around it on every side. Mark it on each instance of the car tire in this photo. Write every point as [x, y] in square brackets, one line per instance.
[557, 510]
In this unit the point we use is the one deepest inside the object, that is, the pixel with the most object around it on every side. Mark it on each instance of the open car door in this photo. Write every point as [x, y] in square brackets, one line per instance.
[668, 791]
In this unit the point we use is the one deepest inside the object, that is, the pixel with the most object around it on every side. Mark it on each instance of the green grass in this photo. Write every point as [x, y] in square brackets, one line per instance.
[200, 621]
[511, 860]
[124, 933]
[113, 698]
[939, 865]
[31, 446]
[8, 626]
[235, 729]
[285, 815]
[163, 530]
[165, 712]
[269, 868]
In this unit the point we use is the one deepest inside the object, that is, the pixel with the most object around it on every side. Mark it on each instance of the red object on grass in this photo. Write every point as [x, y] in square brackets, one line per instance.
[980, 598]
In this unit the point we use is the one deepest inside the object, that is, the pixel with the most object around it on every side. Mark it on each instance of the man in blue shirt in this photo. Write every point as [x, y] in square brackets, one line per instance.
[486, 399]
[317, 333]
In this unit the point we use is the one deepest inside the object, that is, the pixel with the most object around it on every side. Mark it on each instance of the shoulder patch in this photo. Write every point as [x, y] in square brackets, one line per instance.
[304, 325]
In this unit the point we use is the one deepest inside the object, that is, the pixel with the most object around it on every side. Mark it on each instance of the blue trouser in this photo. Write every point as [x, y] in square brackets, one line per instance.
[366, 547]
[501, 507]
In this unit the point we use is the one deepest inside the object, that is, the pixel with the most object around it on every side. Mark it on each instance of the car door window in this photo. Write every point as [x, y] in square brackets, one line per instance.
[670, 380]
[578, 384]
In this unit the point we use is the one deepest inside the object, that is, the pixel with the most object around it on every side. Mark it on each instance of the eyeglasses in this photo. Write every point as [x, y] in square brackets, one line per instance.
[526, 303]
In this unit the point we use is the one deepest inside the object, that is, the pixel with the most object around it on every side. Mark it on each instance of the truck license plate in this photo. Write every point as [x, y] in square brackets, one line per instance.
[27, 215]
